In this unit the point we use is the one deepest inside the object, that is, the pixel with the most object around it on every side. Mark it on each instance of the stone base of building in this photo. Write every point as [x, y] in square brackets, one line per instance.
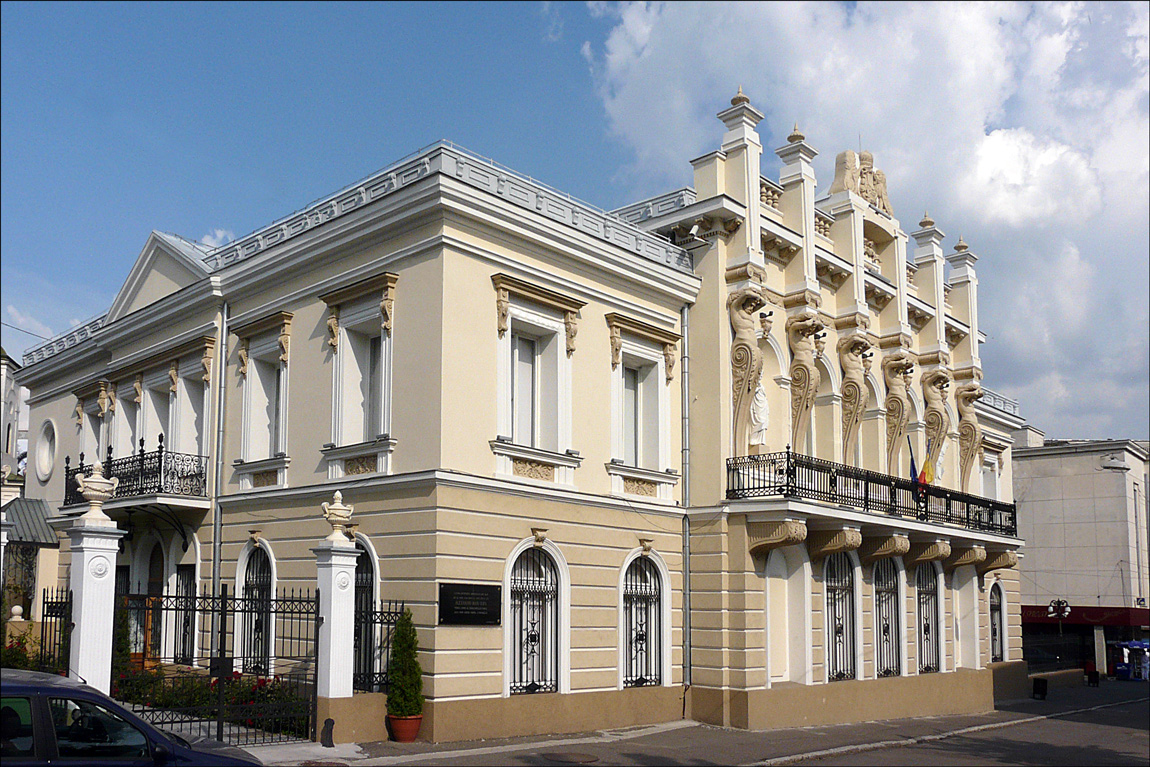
[549, 714]
[1011, 680]
[361, 718]
[965, 691]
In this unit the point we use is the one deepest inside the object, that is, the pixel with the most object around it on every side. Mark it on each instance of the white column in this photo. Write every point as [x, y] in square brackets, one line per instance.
[335, 578]
[95, 539]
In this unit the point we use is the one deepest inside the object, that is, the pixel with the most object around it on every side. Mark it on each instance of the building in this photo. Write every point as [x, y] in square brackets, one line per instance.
[13, 415]
[670, 441]
[1082, 510]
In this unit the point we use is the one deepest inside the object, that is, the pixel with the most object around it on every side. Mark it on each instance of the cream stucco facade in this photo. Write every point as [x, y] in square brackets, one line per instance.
[493, 373]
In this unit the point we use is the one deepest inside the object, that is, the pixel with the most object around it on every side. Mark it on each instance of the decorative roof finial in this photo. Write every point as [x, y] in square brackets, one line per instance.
[796, 135]
[961, 247]
[740, 98]
[927, 222]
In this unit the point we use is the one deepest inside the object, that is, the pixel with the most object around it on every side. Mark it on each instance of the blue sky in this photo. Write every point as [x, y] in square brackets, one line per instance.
[1021, 127]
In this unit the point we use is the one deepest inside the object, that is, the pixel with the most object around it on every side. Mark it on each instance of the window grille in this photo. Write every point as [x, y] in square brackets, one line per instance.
[642, 624]
[840, 586]
[534, 620]
[888, 638]
[185, 614]
[926, 583]
[996, 653]
[257, 599]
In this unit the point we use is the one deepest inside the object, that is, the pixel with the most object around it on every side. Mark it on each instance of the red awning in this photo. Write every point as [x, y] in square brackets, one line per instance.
[1090, 616]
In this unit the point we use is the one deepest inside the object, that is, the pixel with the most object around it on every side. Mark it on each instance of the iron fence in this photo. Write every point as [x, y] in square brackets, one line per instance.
[796, 475]
[55, 631]
[219, 684]
[373, 632]
[157, 472]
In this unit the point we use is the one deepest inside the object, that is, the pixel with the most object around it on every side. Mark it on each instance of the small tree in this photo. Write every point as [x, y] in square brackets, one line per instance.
[405, 676]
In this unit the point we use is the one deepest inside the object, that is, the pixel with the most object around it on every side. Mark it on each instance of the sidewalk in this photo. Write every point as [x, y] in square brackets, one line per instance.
[691, 743]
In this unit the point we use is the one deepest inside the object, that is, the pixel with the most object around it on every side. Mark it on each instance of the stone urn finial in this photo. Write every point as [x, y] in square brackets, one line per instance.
[961, 246]
[796, 135]
[740, 98]
[337, 516]
[97, 489]
[927, 222]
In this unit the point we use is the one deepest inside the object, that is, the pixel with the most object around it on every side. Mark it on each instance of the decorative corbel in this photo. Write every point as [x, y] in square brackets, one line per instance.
[387, 306]
[999, 561]
[102, 400]
[764, 536]
[255, 537]
[571, 325]
[333, 328]
[926, 551]
[669, 352]
[882, 547]
[173, 376]
[646, 544]
[79, 413]
[540, 534]
[285, 341]
[111, 399]
[730, 226]
[206, 362]
[138, 385]
[965, 555]
[502, 310]
[242, 352]
[823, 543]
[616, 346]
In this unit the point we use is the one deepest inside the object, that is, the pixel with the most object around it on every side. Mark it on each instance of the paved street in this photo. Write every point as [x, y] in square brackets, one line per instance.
[1105, 725]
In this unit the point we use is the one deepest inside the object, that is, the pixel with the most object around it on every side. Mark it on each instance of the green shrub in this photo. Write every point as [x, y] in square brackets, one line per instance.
[405, 676]
[15, 653]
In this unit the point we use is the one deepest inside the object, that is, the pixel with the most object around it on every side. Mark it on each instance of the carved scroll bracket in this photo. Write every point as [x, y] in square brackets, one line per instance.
[507, 286]
[333, 328]
[764, 536]
[964, 555]
[1000, 560]
[619, 324]
[883, 546]
[927, 551]
[823, 543]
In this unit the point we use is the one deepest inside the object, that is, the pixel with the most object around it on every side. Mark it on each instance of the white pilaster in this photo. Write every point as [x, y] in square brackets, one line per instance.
[95, 539]
[335, 578]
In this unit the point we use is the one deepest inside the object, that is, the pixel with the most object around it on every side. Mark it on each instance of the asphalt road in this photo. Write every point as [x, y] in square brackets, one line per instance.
[1119, 735]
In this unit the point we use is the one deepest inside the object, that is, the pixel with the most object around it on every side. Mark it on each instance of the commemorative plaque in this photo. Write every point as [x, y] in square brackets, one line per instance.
[469, 604]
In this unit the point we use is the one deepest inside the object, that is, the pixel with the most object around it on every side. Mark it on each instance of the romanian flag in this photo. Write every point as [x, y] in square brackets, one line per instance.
[913, 468]
[927, 475]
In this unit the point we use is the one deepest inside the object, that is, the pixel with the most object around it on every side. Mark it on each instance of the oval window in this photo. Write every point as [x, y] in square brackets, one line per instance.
[46, 451]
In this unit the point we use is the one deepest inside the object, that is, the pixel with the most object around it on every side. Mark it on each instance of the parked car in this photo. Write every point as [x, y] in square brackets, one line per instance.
[51, 720]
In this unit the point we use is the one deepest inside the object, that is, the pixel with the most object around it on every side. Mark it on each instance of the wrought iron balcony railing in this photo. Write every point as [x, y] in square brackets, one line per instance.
[160, 472]
[795, 475]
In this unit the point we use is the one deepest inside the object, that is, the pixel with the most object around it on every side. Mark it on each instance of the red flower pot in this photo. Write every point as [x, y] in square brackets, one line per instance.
[404, 729]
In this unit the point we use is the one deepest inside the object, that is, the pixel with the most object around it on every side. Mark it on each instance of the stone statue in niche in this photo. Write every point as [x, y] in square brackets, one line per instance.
[896, 369]
[846, 173]
[746, 360]
[802, 330]
[760, 408]
[854, 392]
[937, 420]
[969, 430]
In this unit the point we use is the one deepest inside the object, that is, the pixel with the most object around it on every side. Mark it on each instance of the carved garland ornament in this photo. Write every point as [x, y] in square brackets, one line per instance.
[802, 329]
[896, 369]
[969, 431]
[746, 360]
[854, 392]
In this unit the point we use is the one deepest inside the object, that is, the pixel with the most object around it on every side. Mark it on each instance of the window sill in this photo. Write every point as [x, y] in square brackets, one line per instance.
[263, 473]
[371, 457]
[644, 484]
[531, 464]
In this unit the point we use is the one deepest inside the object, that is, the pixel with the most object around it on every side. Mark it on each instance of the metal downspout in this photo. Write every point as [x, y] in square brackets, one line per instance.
[218, 448]
[684, 381]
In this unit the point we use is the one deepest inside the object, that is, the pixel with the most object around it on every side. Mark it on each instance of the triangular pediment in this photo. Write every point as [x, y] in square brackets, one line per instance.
[165, 265]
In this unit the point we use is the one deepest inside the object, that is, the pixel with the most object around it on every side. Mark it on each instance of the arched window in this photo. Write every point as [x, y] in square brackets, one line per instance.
[840, 627]
[153, 618]
[926, 583]
[368, 675]
[996, 623]
[256, 608]
[888, 636]
[534, 619]
[642, 624]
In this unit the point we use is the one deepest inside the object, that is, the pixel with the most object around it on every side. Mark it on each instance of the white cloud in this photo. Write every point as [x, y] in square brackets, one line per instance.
[552, 21]
[1021, 126]
[28, 322]
[218, 237]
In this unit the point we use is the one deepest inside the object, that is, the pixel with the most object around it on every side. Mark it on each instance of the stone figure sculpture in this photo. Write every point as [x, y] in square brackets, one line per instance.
[937, 420]
[969, 432]
[871, 183]
[854, 391]
[846, 173]
[896, 370]
[882, 200]
[760, 408]
[746, 360]
[802, 329]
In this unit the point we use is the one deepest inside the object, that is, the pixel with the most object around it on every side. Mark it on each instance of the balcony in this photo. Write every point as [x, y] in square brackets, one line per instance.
[793, 475]
[158, 473]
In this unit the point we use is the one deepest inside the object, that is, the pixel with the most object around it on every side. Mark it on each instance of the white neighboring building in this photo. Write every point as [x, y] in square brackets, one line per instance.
[13, 415]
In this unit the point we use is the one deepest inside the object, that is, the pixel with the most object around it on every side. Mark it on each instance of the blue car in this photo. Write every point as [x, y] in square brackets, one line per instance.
[51, 720]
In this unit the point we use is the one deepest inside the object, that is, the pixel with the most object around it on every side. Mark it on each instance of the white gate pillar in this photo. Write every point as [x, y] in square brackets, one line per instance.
[335, 577]
[95, 539]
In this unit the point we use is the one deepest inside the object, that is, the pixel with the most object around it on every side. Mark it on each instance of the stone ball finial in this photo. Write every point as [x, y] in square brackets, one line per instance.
[927, 222]
[796, 135]
[740, 98]
[337, 515]
[17, 614]
[961, 247]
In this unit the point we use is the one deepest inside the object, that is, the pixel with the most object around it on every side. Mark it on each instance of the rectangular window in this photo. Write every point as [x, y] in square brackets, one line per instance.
[265, 427]
[523, 390]
[19, 744]
[631, 417]
[373, 389]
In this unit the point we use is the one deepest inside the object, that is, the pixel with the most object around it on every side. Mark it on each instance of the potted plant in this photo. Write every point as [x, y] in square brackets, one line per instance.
[405, 683]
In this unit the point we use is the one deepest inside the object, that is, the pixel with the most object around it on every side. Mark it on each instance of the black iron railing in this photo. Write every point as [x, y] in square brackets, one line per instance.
[159, 472]
[796, 475]
[372, 646]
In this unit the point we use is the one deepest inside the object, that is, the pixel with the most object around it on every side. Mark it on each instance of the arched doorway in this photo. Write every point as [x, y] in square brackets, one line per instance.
[256, 609]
